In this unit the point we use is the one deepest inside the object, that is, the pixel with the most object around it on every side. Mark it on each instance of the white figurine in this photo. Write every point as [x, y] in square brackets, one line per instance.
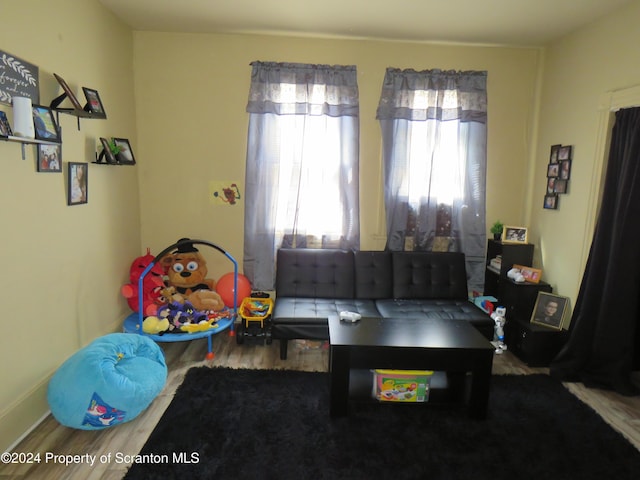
[498, 331]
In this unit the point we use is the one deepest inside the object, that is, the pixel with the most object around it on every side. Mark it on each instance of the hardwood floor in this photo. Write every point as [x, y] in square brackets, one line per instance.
[113, 445]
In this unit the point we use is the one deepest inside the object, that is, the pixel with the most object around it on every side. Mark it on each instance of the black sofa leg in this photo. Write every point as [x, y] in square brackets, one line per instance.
[283, 348]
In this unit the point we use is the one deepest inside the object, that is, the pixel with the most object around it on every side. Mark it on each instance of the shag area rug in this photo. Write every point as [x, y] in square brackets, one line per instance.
[275, 424]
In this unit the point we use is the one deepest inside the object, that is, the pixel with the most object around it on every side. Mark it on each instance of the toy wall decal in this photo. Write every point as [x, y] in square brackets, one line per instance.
[224, 192]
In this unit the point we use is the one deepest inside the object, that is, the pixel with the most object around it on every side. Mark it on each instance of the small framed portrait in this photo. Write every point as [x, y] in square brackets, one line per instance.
[94, 104]
[50, 158]
[564, 153]
[125, 155]
[68, 93]
[551, 185]
[549, 310]
[5, 128]
[553, 156]
[514, 235]
[77, 183]
[106, 153]
[553, 169]
[565, 169]
[45, 124]
[551, 201]
[560, 186]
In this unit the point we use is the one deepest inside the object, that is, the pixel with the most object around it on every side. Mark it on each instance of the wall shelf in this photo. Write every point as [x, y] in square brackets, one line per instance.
[76, 113]
[24, 141]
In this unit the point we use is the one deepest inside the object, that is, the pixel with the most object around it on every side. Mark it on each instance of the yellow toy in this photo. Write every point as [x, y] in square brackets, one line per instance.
[154, 325]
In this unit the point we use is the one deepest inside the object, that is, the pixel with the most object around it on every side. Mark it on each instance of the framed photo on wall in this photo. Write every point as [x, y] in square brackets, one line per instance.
[565, 169]
[553, 156]
[125, 156]
[77, 183]
[45, 124]
[50, 158]
[551, 201]
[549, 310]
[514, 235]
[564, 153]
[94, 104]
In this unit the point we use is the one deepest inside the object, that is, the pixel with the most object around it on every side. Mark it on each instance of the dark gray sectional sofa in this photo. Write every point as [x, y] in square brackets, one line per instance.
[312, 284]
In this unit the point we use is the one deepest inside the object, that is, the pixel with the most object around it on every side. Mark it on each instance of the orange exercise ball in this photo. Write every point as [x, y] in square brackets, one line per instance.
[225, 289]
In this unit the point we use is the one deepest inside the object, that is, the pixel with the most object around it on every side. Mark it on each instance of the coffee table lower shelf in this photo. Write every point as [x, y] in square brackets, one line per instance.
[445, 390]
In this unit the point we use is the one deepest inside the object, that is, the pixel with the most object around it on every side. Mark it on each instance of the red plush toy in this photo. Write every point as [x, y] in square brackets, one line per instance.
[152, 285]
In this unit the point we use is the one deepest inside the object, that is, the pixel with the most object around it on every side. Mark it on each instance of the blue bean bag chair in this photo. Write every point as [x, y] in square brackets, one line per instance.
[108, 382]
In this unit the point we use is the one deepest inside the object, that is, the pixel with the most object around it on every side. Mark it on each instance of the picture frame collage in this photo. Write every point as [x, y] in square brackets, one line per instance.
[558, 174]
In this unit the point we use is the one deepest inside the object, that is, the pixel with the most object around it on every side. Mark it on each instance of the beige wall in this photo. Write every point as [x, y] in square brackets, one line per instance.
[579, 70]
[63, 266]
[191, 93]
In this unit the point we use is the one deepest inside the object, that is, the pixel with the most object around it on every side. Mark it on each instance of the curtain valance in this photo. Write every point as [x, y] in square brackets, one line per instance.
[303, 89]
[433, 94]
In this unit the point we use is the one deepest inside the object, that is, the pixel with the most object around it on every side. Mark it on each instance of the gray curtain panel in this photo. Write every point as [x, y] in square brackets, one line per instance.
[302, 168]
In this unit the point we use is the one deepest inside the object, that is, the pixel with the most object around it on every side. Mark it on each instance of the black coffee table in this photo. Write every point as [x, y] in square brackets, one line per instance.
[409, 344]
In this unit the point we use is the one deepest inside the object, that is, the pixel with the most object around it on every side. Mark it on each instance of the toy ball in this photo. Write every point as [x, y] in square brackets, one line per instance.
[225, 289]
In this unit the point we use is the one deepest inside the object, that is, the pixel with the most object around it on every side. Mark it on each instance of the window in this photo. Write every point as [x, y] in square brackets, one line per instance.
[302, 163]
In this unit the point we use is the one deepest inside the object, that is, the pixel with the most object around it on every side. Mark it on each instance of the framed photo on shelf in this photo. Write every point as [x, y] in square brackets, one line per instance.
[45, 124]
[50, 158]
[551, 201]
[549, 310]
[77, 183]
[5, 128]
[530, 274]
[68, 92]
[553, 156]
[514, 235]
[125, 156]
[94, 104]
[564, 153]
[108, 155]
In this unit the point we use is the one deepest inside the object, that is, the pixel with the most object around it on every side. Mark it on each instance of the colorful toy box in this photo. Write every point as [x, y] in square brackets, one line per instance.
[401, 385]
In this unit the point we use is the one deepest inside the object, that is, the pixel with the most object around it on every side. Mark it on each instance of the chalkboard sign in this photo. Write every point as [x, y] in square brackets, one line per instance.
[17, 79]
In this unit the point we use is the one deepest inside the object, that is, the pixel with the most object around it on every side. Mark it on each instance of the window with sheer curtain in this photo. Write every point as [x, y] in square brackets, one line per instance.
[302, 163]
[434, 154]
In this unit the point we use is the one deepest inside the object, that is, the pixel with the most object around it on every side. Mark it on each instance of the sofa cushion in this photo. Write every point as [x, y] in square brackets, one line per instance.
[326, 273]
[290, 311]
[447, 309]
[437, 275]
[373, 274]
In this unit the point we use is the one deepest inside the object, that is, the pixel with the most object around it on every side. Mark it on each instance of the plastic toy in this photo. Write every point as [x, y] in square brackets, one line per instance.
[233, 289]
[498, 336]
[224, 318]
[255, 312]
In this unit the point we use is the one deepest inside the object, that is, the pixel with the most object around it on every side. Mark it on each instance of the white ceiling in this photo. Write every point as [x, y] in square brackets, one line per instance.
[499, 22]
